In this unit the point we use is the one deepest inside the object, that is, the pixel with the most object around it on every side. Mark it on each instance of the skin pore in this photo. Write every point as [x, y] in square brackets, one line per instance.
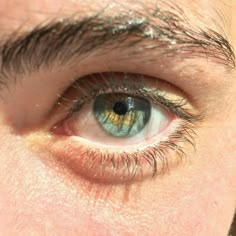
[187, 50]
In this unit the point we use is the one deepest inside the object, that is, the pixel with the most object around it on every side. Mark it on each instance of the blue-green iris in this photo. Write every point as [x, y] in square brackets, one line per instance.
[122, 115]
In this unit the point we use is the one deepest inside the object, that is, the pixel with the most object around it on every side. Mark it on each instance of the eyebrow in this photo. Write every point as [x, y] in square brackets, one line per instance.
[66, 40]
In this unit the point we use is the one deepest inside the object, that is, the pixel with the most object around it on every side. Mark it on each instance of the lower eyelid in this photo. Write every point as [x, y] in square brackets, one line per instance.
[110, 166]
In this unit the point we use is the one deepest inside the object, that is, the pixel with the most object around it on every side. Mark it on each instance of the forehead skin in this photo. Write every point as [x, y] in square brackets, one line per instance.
[26, 13]
[22, 15]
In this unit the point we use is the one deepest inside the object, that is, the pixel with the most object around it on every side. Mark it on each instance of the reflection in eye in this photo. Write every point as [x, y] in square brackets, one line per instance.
[115, 127]
[122, 115]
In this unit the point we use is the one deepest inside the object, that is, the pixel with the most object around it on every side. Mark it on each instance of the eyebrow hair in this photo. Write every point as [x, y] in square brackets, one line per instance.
[69, 39]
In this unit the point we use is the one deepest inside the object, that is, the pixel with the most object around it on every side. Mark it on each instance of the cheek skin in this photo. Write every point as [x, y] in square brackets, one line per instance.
[190, 200]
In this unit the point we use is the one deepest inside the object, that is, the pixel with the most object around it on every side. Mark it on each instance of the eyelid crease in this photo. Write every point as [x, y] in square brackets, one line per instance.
[69, 39]
[86, 89]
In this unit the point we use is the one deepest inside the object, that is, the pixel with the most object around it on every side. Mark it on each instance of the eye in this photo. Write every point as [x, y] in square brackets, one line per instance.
[117, 119]
[117, 127]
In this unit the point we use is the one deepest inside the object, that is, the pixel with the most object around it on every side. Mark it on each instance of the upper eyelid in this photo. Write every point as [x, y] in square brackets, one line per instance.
[66, 40]
[88, 88]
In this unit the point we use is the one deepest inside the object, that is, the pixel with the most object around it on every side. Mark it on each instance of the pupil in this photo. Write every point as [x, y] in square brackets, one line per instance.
[120, 108]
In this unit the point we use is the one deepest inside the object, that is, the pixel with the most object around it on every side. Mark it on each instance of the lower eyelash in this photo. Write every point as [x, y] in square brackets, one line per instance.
[130, 166]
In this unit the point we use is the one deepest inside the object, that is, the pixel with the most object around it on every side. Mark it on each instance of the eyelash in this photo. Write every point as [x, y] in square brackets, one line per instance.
[153, 154]
[130, 87]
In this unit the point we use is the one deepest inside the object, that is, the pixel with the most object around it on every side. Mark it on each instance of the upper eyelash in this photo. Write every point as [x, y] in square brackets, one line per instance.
[133, 88]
